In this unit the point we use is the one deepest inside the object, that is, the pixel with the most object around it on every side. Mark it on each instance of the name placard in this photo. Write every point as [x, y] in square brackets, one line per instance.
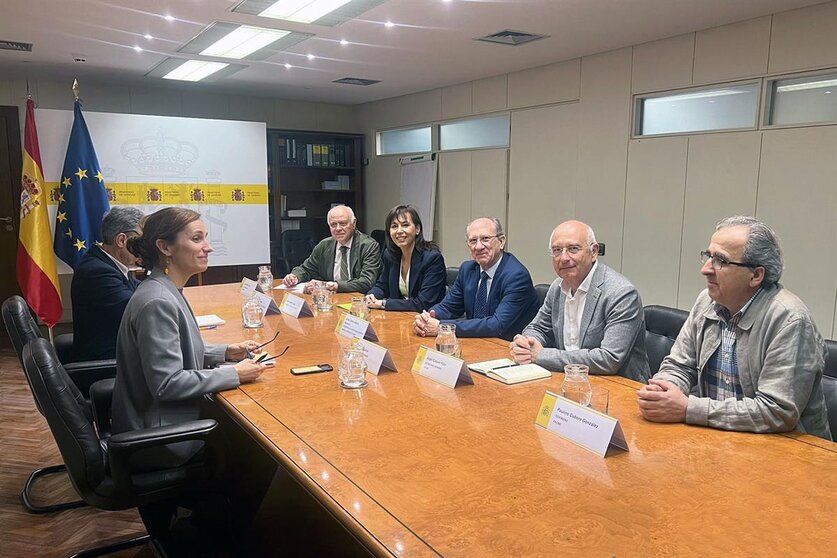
[439, 367]
[352, 326]
[377, 357]
[268, 304]
[296, 306]
[247, 287]
[584, 426]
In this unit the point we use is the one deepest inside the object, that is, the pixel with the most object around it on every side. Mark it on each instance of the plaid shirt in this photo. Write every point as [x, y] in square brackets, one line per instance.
[720, 381]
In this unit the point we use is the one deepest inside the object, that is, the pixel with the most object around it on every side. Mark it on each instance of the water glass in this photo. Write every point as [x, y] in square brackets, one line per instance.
[322, 296]
[359, 307]
[576, 386]
[600, 399]
[352, 368]
[252, 313]
[265, 280]
[446, 341]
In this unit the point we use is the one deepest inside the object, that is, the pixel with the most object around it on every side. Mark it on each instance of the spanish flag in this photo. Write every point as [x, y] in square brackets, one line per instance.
[36, 272]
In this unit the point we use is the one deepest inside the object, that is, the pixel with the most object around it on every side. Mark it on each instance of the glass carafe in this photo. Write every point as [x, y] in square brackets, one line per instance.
[576, 386]
[359, 308]
[446, 341]
[265, 280]
[252, 312]
[352, 368]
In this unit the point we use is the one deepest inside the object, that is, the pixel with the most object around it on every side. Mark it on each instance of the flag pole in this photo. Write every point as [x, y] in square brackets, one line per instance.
[51, 337]
[75, 88]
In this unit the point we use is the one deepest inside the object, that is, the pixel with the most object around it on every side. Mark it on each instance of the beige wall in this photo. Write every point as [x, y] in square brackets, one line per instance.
[654, 201]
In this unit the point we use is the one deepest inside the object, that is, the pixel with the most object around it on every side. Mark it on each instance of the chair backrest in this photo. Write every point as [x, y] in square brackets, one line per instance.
[662, 325]
[829, 384]
[381, 238]
[20, 324]
[452, 273]
[68, 416]
[541, 289]
[296, 245]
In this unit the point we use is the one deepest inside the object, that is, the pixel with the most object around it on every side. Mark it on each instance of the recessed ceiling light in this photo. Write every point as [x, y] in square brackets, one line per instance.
[311, 57]
[288, 66]
[147, 36]
[389, 24]
[168, 17]
[194, 70]
[302, 11]
[243, 41]
[138, 48]
[344, 42]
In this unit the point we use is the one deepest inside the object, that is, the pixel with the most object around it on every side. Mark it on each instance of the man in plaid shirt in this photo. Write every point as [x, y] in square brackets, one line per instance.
[749, 347]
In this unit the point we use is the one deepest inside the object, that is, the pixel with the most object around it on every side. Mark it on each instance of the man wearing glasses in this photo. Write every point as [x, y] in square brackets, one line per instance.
[749, 346]
[102, 286]
[494, 291]
[349, 261]
[591, 315]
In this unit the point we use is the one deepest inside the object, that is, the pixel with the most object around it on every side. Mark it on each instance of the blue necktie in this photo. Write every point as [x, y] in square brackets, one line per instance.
[481, 304]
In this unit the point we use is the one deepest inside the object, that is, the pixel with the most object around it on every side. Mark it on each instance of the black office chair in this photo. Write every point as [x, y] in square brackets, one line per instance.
[22, 329]
[381, 238]
[662, 325]
[452, 273]
[829, 385]
[541, 289]
[296, 245]
[100, 466]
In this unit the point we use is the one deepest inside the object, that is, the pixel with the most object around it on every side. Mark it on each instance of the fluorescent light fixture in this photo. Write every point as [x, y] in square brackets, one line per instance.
[343, 42]
[194, 70]
[302, 11]
[696, 95]
[288, 66]
[807, 85]
[389, 24]
[168, 17]
[243, 41]
[138, 48]
[148, 36]
[311, 57]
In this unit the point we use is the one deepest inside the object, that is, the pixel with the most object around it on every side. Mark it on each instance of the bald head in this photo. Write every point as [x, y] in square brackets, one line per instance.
[574, 251]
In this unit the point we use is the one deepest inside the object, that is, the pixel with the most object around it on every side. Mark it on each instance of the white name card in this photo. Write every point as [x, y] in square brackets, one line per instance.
[584, 426]
[247, 287]
[439, 367]
[294, 305]
[352, 326]
[268, 304]
[377, 357]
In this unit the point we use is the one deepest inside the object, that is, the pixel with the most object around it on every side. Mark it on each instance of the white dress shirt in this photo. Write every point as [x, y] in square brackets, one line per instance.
[337, 254]
[122, 267]
[574, 309]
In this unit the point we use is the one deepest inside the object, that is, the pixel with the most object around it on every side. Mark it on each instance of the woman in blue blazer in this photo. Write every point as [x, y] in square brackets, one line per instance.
[413, 278]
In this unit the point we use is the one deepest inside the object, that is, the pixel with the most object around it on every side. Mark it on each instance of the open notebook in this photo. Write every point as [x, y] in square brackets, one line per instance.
[506, 371]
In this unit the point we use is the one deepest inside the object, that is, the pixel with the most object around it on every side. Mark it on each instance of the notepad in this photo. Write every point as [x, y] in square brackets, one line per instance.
[484, 367]
[517, 374]
[210, 320]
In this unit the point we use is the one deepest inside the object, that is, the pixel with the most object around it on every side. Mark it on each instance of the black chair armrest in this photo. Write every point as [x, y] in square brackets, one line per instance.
[64, 347]
[101, 403]
[86, 373]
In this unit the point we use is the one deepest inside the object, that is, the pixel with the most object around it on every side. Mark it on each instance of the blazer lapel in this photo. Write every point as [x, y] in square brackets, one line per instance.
[590, 303]
[496, 282]
[415, 271]
[559, 321]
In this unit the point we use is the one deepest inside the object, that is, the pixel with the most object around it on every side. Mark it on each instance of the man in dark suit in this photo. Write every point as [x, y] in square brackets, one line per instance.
[102, 286]
[494, 291]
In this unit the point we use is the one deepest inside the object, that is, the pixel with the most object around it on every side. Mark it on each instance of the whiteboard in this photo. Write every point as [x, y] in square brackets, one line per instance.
[418, 188]
[216, 167]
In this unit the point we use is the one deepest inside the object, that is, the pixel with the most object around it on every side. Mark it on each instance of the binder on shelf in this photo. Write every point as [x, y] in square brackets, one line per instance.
[297, 212]
[318, 155]
[309, 155]
[290, 225]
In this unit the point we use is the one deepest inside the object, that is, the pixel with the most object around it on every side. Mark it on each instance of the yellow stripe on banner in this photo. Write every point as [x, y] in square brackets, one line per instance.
[145, 193]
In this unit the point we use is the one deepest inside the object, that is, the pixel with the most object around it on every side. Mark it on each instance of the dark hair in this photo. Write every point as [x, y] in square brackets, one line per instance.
[120, 219]
[396, 213]
[164, 224]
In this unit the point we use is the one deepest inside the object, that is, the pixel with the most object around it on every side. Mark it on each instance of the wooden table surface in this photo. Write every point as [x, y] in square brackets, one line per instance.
[414, 468]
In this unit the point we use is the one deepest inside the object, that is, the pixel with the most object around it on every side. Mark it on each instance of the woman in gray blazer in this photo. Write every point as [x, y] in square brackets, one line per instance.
[163, 367]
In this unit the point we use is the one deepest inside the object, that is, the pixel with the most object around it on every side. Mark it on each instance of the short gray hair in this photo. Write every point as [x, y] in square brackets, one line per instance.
[120, 219]
[341, 206]
[498, 226]
[762, 247]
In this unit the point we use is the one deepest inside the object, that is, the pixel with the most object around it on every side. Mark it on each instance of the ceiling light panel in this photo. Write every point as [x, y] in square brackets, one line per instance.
[317, 12]
[193, 70]
[230, 40]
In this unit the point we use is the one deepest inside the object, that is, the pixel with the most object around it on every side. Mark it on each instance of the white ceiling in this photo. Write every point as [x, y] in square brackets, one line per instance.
[430, 46]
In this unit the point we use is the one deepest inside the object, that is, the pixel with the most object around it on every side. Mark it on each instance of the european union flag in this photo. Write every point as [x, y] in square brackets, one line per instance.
[82, 199]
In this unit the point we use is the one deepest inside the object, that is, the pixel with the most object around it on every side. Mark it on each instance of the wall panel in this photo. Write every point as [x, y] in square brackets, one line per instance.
[428, 106]
[456, 100]
[654, 217]
[797, 197]
[663, 64]
[453, 205]
[489, 170]
[490, 94]
[554, 83]
[732, 51]
[161, 102]
[804, 38]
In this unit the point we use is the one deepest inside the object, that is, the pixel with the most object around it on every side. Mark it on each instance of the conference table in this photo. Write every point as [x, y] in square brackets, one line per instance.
[410, 467]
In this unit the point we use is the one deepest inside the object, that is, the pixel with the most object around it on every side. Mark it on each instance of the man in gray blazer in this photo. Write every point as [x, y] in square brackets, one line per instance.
[592, 315]
[349, 261]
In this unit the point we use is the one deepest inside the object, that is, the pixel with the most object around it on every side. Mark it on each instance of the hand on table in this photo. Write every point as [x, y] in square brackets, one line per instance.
[524, 350]
[373, 302]
[426, 324]
[290, 280]
[662, 401]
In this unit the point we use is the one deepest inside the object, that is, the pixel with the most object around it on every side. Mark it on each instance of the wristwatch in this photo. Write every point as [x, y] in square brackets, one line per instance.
[383, 304]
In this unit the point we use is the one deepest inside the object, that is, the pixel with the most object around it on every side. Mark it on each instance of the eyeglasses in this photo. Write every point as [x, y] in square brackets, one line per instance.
[342, 224]
[484, 240]
[272, 339]
[264, 358]
[573, 250]
[719, 262]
